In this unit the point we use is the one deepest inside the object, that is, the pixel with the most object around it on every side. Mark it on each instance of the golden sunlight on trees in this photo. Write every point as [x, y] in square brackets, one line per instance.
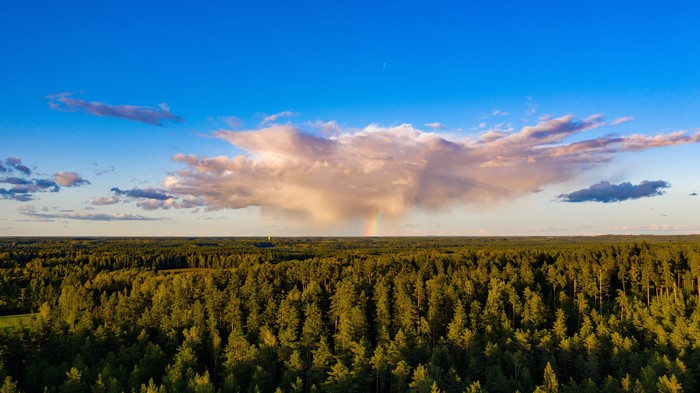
[350, 315]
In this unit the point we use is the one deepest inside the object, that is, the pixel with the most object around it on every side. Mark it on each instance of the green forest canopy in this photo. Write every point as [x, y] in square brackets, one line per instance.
[350, 314]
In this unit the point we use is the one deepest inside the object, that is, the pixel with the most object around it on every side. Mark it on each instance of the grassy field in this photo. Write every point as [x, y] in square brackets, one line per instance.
[12, 322]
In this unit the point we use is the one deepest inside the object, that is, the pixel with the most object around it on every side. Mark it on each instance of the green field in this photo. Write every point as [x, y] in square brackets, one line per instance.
[11, 322]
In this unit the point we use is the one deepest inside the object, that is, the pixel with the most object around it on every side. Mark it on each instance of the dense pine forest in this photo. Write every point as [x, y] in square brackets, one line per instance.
[602, 314]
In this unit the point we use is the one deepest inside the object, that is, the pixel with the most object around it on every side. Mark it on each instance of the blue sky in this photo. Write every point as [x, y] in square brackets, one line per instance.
[428, 118]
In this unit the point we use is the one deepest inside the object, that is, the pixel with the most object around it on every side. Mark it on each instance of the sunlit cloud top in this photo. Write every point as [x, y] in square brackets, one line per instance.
[396, 169]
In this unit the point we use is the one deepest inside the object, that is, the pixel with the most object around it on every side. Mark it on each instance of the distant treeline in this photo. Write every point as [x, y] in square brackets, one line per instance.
[604, 314]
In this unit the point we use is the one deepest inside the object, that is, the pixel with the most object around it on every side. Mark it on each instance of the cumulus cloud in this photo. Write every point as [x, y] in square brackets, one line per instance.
[606, 192]
[144, 114]
[22, 187]
[69, 179]
[100, 201]
[394, 169]
[83, 216]
[273, 118]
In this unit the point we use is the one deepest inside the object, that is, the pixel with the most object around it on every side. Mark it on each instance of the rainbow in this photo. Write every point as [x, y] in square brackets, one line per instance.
[373, 223]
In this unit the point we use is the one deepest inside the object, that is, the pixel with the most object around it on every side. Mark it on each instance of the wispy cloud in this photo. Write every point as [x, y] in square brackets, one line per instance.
[394, 169]
[621, 120]
[22, 187]
[153, 198]
[156, 116]
[99, 171]
[16, 163]
[19, 194]
[18, 181]
[329, 128]
[435, 126]
[232, 122]
[606, 192]
[83, 216]
[148, 193]
[273, 118]
[531, 106]
[642, 142]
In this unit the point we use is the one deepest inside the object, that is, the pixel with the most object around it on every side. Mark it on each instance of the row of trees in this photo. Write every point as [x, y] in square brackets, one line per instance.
[339, 315]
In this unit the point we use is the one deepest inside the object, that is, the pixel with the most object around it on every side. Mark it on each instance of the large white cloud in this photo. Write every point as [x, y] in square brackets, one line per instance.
[394, 169]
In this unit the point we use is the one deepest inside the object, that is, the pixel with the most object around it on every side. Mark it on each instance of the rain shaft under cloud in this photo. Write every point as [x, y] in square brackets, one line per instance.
[395, 169]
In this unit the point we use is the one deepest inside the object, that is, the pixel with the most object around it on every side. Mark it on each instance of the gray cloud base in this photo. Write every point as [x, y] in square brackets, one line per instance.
[606, 192]
[150, 199]
[155, 116]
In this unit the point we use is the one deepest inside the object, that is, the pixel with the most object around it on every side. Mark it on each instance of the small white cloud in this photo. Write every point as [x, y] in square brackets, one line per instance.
[100, 201]
[435, 126]
[69, 179]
